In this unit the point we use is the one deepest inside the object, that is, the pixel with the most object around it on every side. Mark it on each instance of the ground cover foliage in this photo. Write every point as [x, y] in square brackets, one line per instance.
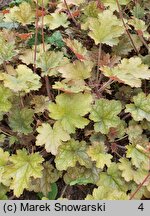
[74, 99]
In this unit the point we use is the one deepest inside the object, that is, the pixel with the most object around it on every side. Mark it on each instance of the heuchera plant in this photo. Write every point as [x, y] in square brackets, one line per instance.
[74, 99]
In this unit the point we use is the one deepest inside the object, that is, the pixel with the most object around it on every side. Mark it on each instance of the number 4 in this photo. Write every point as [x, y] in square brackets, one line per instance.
[141, 207]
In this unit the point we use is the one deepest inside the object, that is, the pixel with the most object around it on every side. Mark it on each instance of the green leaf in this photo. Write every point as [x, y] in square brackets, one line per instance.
[70, 153]
[51, 195]
[140, 109]
[40, 103]
[4, 157]
[56, 20]
[50, 60]
[51, 137]
[7, 48]
[138, 11]
[124, 46]
[130, 173]
[129, 71]
[45, 184]
[3, 191]
[56, 39]
[113, 4]
[77, 70]
[69, 109]
[54, 191]
[135, 135]
[71, 86]
[134, 130]
[31, 41]
[146, 59]
[104, 113]
[24, 80]
[22, 168]
[23, 13]
[112, 178]
[5, 95]
[106, 193]
[20, 120]
[98, 154]
[138, 158]
[81, 175]
[106, 29]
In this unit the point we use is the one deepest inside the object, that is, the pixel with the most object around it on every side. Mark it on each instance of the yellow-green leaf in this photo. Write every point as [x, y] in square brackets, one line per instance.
[70, 153]
[104, 114]
[69, 110]
[98, 153]
[106, 193]
[140, 109]
[4, 157]
[106, 29]
[55, 20]
[129, 71]
[51, 137]
[23, 166]
[23, 81]
[23, 14]
[77, 70]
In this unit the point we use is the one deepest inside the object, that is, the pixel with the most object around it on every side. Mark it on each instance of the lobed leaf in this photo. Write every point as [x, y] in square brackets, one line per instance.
[23, 166]
[23, 81]
[51, 137]
[70, 153]
[106, 193]
[20, 120]
[70, 109]
[56, 20]
[129, 71]
[106, 28]
[98, 153]
[140, 109]
[5, 95]
[104, 114]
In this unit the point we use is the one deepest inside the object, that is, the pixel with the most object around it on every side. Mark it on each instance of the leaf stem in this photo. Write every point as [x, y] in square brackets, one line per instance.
[48, 87]
[43, 39]
[6, 131]
[121, 138]
[36, 36]
[126, 29]
[98, 60]
[139, 187]
[119, 146]
[73, 19]
[144, 42]
[126, 116]
[63, 192]
[110, 81]
[118, 154]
